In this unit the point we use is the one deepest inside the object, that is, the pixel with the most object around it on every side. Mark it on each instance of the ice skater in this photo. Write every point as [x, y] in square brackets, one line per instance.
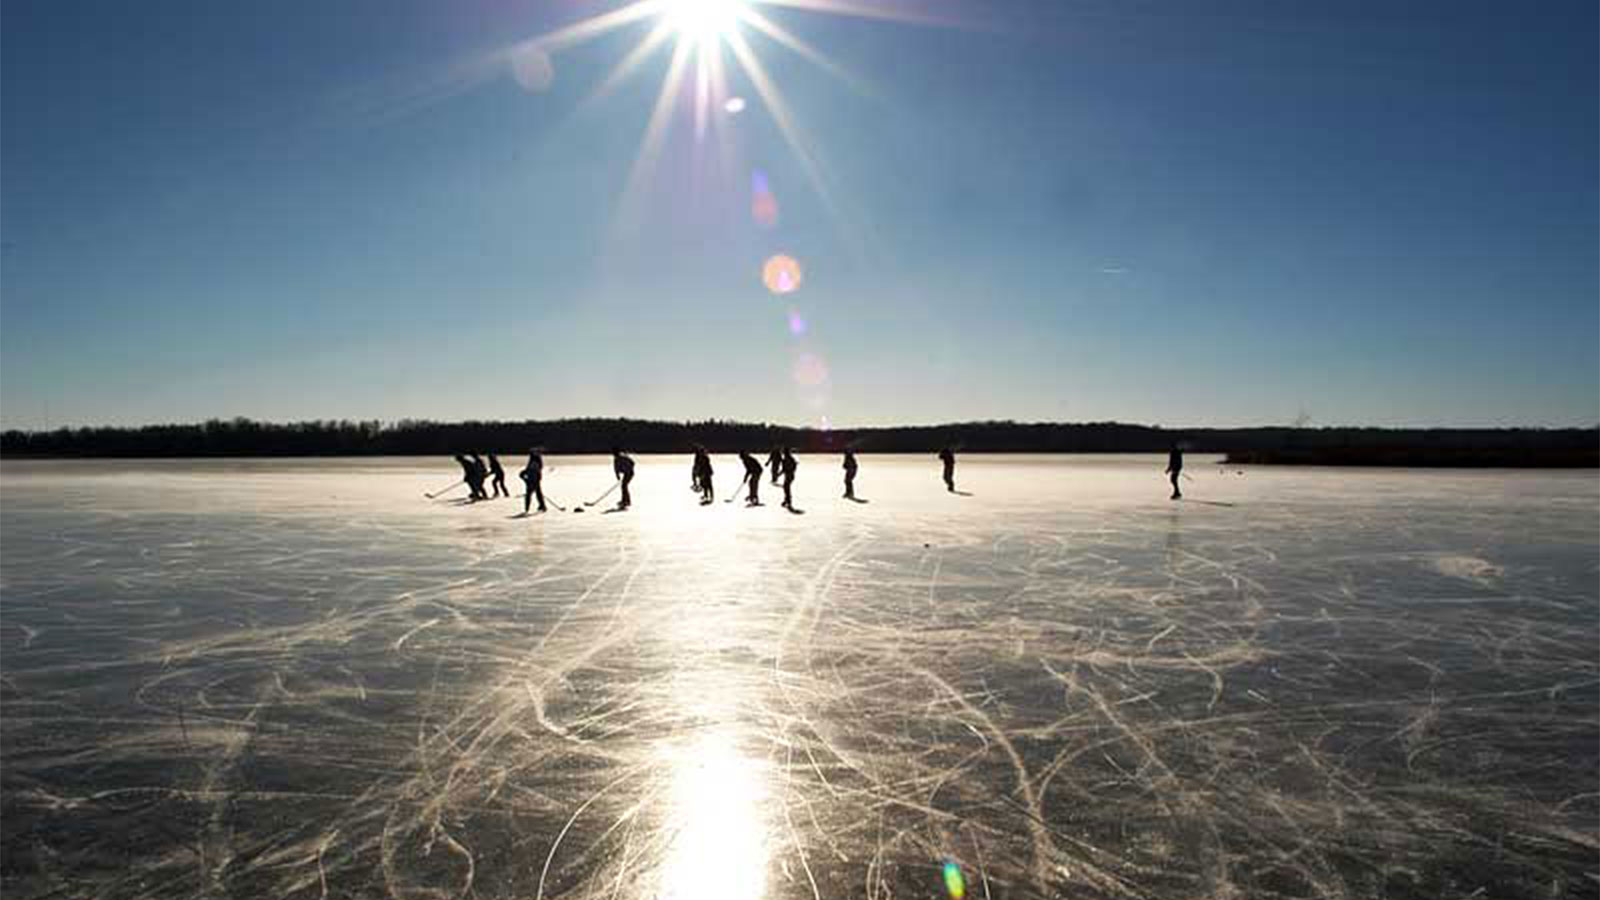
[480, 473]
[1175, 469]
[498, 476]
[775, 463]
[850, 474]
[752, 477]
[468, 475]
[622, 467]
[472, 474]
[948, 457]
[532, 480]
[700, 476]
[789, 465]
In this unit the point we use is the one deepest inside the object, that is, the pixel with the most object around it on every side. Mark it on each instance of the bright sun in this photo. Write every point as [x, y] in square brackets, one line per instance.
[704, 21]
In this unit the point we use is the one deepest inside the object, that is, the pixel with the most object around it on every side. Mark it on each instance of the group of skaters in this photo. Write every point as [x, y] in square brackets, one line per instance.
[780, 462]
[475, 473]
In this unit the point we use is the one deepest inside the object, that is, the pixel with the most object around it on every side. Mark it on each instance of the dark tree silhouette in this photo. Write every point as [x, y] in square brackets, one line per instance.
[1570, 447]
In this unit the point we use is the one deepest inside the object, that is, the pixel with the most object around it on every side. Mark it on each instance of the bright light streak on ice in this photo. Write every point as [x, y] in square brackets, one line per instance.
[715, 831]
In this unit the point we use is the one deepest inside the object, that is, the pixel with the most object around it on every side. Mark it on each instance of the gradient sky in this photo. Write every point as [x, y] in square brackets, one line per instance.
[1175, 213]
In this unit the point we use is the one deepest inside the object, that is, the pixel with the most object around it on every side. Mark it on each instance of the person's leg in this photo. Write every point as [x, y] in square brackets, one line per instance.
[538, 489]
[627, 500]
[1176, 493]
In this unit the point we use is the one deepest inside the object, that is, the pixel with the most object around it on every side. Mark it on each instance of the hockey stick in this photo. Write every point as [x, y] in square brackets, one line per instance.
[439, 492]
[597, 500]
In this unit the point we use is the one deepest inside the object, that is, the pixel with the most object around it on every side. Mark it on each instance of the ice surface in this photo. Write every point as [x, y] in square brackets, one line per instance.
[302, 679]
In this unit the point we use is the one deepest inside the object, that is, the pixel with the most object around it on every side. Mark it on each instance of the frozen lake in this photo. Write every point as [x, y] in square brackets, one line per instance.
[301, 679]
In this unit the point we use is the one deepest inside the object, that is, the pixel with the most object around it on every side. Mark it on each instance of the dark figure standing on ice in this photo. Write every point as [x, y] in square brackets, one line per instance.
[480, 474]
[1174, 469]
[532, 478]
[700, 475]
[622, 466]
[850, 467]
[775, 463]
[752, 477]
[789, 465]
[948, 457]
[472, 474]
[499, 476]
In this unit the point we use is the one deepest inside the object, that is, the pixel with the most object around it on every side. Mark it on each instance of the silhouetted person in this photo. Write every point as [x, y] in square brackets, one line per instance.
[789, 465]
[469, 475]
[948, 457]
[775, 463]
[752, 477]
[700, 475]
[1174, 469]
[850, 474]
[622, 466]
[499, 476]
[476, 473]
[532, 480]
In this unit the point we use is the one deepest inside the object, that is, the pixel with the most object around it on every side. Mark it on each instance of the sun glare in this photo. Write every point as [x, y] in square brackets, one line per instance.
[704, 21]
[715, 68]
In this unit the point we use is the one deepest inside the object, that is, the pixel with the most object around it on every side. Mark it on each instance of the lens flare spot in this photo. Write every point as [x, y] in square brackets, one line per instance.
[810, 370]
[781, 274]
[954, 884]
[533, 70]
[734, 106]
[797, 323]
[763, 203]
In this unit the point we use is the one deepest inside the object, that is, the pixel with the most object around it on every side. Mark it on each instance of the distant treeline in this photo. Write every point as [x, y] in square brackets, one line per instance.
[1571, 447]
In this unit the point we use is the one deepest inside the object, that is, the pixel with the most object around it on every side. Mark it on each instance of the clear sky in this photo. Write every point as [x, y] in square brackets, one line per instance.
[1176, 213]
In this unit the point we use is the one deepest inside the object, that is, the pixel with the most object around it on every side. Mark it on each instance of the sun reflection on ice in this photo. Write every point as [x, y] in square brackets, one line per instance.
[716, 831]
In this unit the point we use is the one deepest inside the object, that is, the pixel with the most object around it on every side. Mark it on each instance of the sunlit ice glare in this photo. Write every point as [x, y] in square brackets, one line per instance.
[716, 830]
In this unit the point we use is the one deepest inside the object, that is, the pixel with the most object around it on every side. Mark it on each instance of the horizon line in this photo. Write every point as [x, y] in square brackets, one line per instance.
[389, 424]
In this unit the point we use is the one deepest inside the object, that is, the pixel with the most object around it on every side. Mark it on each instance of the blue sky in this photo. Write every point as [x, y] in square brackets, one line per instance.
[1165, 212]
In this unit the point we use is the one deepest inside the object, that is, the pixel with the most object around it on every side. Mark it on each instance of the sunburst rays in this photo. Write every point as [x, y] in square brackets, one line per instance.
[703, 35]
